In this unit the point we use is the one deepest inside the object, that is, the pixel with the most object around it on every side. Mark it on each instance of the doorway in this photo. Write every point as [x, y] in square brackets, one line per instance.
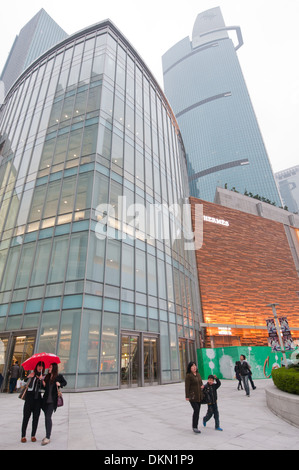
[16, 346]
[139, 360]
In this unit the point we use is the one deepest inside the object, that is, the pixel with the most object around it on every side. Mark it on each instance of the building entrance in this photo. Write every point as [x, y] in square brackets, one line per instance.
[139, 360]
[15, 346]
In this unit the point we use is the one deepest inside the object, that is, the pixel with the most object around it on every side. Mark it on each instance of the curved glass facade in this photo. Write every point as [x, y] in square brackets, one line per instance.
[84, 126]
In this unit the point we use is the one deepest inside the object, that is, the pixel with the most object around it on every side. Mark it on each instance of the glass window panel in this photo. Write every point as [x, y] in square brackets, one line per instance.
[98, 66]
[107, 101]
[110, 66]
[77, 257]
[139, 166]
[67, 108]
[129, 158]
[52, 199]
[60, 149]
[95, 263]
[109, 351]
[127, 267]
[40, 266]
[151, 274]
[161, 279]
[84, 191]
[10, 271]
[86, 69]
[55, 113]
[80, 103]
[58, 259]
[3, 255]
[24, 267]
[69, 339]
[90, 140]
[90, 342]
[67, 195]
[113, 263]
[74, 148]
[104, 142]
[100, 189]
[47, 155]
[117, 150]
[120, 75]
[140, 271]
[94, 99]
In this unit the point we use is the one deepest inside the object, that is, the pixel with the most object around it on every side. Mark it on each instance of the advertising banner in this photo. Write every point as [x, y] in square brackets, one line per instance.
[286, 334]
[273, 340]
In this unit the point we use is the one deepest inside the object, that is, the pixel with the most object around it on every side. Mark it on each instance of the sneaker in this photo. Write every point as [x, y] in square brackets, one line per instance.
[197, 431]
[204, 422]
[45, 441]
[218, 429]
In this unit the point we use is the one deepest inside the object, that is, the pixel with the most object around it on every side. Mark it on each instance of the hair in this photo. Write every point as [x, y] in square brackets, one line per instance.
[51, 377]
[190, 365]
[40, 363]
[243, 355]
[211, 376]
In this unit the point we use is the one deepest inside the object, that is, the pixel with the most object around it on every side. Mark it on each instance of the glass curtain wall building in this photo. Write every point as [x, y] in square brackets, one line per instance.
[36, 37]
[84, 125]
[204, 84]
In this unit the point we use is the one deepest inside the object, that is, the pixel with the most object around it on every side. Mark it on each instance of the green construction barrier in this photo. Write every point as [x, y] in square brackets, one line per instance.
[221, 361]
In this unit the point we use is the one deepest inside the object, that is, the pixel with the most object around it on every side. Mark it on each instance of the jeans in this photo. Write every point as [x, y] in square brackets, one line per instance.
[12, 384]
[49, 408]
[245, 383]
[196, 409]
[212, 410]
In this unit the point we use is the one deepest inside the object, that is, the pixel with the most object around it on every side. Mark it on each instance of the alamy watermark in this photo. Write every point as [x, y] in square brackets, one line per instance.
[151, 222]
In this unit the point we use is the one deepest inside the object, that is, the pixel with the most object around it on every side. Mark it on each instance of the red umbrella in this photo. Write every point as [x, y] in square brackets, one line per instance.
[47, 358]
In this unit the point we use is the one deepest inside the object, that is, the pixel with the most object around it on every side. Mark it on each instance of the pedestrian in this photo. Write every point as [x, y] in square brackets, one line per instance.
[53, 381]
[194, 393]
[33, 400]
[244, 372]
[14, 375]
[210, 392]
[238, 375]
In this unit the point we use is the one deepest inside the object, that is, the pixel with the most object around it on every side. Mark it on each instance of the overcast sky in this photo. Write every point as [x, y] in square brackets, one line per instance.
[269, 57]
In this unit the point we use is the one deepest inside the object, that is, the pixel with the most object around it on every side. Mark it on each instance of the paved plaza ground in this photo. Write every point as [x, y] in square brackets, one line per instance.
[153, 419]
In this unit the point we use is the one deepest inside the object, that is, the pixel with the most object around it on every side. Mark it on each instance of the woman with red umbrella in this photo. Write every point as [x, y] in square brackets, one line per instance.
[33, 400]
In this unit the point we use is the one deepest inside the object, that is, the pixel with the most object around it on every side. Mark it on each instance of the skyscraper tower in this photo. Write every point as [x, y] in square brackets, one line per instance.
[204, 84]
[37, 36]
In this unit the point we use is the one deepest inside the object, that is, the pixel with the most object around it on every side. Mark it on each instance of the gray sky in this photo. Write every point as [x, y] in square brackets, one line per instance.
[269, 56]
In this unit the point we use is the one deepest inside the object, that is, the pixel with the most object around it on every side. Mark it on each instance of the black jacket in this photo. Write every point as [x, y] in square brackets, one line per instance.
[210, 392]
[62, 382]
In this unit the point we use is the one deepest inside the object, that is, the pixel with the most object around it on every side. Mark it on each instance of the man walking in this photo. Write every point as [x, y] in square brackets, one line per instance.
[244, 372]
[14, 375]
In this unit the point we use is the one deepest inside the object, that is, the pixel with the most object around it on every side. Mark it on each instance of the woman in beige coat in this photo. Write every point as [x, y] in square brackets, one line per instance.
[194, 393]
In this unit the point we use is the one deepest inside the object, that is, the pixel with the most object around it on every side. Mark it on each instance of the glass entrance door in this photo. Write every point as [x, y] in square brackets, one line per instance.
[130, 375]
[14, 348]
[150, 361]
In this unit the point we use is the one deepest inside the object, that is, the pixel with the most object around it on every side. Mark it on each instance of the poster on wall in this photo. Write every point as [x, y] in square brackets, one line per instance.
[273, 340]
[286, 334]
